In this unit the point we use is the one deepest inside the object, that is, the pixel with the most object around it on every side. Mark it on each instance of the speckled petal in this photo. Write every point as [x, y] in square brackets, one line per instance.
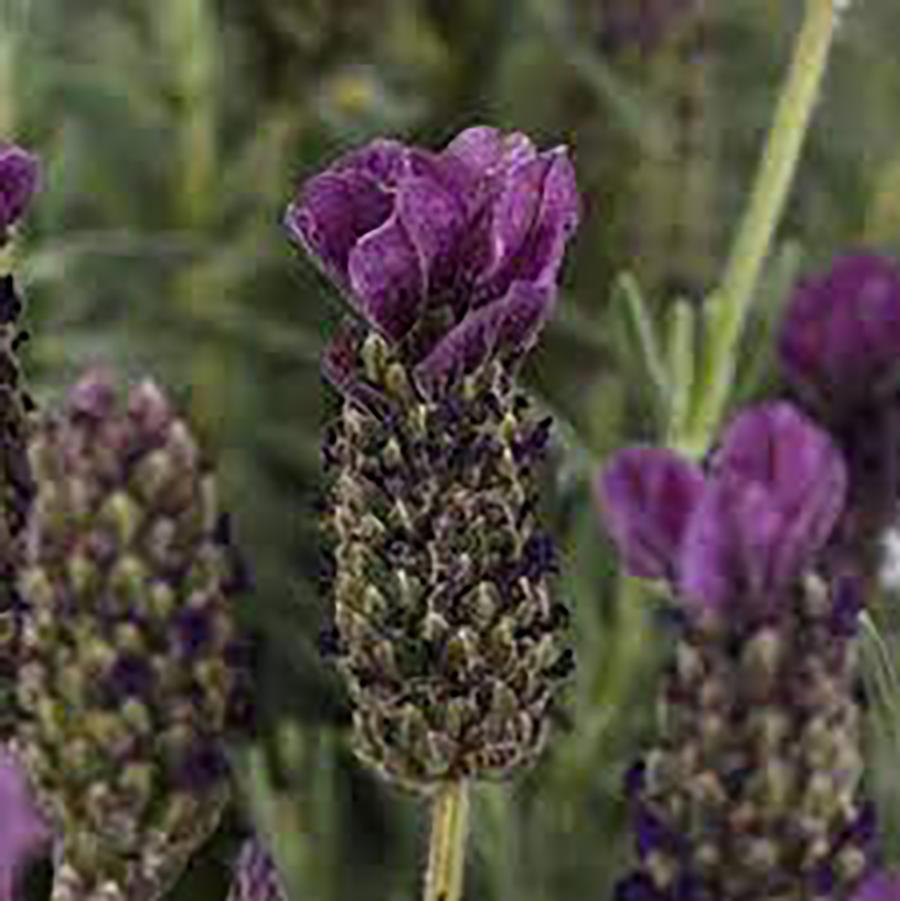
[333, 212]
[506, 325]
[433, 219]
[387, 279]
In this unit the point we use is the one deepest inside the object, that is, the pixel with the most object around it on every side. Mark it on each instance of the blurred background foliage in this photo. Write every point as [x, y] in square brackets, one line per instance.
[172, 134]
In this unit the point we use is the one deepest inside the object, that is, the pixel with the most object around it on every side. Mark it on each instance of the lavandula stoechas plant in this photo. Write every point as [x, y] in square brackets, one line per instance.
[130, 654]
[18, 181]
[444, 625]
[752, 789]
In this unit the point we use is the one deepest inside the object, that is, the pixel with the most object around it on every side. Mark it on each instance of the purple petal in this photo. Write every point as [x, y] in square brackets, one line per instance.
[532, 222]
[557, 219]
[506, 325]
[382, 160]
[882, 886]
[776, 490]
[796, 462]
[647, 496]
[22, 831]
[840, 339]
[516, 211]
[707, 561]
[433, 219]
[19, 180]
[333, 211]
[387, 278]
[485, 150]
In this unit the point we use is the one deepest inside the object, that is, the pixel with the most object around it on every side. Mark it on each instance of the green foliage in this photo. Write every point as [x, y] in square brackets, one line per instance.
[173, 133]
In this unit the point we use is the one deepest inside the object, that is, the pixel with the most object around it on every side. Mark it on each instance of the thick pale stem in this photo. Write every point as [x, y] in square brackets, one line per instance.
[728, 306]
[447, 854]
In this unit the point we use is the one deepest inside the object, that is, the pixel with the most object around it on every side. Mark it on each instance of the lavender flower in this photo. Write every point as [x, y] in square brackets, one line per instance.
[746, 531]
[19, 176]
[881, 887]
[753, 788]
[255, 876]
[126, 684]
[640, 24]
[16, 491]
[840, 340]
[454, 255]
[444, 626]
[22, 830]
[839, 348]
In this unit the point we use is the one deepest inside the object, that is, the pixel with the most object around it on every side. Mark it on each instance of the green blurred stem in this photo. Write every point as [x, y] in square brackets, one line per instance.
[728, 306]
[447, 854]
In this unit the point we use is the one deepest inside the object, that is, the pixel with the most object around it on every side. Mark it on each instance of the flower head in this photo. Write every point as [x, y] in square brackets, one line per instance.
[840, 340]
[19, 176]
[454, 255]
[127, 640]
[22, 830]
[743, 532]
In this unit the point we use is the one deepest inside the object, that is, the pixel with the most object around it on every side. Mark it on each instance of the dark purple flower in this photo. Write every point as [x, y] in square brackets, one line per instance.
[880, 887]
[647, 496]
[640, 24]
[19, 176]
[840, 340]
[477, 230]
[22, 831]
[774, 495]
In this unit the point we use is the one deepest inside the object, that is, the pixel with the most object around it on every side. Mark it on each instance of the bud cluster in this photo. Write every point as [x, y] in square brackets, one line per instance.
[752, 789]
[444, 625]
[16, 491]
[127, 678]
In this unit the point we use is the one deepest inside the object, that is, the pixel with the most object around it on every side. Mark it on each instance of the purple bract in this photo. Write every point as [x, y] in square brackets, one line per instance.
[19, 175]
[647, 496]
[840, 340]
[767, 505]
[475, 233]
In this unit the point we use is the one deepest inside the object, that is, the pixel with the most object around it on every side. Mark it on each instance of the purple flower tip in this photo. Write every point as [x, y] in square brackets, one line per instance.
[647, 496]
[19, 179]
[478, 229]
[880, 887]
[776, 489]
[22, 832]
[840, 340]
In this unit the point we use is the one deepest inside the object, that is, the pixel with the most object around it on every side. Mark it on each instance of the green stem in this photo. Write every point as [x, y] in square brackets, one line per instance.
[728, 306]
[446, 856]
